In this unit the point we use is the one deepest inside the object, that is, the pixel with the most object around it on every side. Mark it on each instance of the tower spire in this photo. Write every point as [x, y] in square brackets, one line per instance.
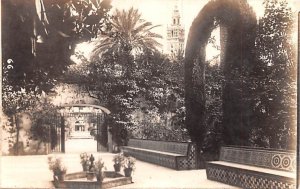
[175, 34]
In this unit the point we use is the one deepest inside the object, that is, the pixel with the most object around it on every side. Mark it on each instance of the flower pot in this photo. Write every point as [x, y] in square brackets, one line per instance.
[99, 177]
[117, 167]
[90, 175]
[60, 177]
[85, 167]
[128, 172]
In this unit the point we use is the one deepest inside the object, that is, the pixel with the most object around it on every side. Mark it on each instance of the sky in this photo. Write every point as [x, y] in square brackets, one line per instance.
[159, 12]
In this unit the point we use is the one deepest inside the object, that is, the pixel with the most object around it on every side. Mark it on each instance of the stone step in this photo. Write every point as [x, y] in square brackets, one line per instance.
[80, 135]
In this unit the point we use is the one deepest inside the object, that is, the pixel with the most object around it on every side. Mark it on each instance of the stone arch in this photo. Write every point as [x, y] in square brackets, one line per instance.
[238, 25]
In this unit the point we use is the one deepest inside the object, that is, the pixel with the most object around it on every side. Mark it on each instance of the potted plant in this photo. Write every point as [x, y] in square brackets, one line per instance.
[129, 165]
[118, 160]
[84, 160]
[56, 165]
[99, 170]
[90, 173]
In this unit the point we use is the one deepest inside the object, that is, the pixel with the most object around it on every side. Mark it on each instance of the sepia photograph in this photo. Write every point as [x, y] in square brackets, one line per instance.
[141, 94]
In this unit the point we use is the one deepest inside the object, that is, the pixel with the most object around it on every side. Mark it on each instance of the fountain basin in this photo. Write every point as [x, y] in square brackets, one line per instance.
[79, 180]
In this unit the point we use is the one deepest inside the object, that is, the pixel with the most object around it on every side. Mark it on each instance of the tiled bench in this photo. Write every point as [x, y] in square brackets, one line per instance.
[175, 155]
[254, 168]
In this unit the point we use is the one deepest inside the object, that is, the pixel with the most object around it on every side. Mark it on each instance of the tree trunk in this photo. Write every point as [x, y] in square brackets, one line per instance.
[38, 147]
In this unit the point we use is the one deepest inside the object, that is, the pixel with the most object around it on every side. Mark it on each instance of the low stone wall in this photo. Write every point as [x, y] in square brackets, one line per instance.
[77, 181]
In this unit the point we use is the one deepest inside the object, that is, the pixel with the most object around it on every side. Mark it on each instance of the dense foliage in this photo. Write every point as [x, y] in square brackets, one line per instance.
[44, 118]
[214, 113]
[240, 23]
[134, 81]
[251, 98]
[274, 78]
[161, 112]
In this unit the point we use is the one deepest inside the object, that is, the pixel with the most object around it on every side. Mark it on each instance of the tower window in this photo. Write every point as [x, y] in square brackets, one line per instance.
[175, 33]
[174, 21]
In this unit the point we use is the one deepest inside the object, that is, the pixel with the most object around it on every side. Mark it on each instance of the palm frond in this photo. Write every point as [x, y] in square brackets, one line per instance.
[131, 31]
[142, 27]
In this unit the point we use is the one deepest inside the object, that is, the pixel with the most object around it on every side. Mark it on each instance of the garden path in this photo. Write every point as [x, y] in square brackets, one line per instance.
[78, 145]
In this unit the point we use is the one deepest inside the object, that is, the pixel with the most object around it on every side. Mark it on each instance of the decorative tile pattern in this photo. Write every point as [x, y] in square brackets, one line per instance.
[260, 157]
[188, 162]
[247, 179]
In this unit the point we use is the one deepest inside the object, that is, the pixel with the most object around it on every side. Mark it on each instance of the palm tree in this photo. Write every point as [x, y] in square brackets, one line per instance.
[130, 34]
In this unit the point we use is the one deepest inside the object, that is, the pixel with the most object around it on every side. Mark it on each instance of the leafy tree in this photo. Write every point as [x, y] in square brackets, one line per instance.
[42, 129]
[275, 78]
[161, 112]
[38, 38]
[113, 75]
[14, 104]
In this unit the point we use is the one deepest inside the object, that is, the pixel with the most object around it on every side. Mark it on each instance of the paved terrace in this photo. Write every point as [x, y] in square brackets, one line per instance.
[33, 172]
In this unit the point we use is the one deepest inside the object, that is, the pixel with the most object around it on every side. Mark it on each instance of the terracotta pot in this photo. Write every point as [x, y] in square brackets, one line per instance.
[128, 172]
[90, 175]
[60, 177]
[117, 167]
[59, 174]
[99, 177]
[84, 167]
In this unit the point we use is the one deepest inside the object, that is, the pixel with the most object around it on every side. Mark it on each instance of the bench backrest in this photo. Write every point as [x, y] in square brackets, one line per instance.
[171, 147]
[267, 158]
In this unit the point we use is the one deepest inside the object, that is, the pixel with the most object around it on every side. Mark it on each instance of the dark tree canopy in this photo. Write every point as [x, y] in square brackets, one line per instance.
[39, 37]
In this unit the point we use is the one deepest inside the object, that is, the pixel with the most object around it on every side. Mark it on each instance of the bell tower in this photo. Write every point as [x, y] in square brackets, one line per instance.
[175, 34]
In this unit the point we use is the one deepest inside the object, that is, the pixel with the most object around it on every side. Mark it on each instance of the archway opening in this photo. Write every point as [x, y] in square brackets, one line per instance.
[213, 48]
[81, 128]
